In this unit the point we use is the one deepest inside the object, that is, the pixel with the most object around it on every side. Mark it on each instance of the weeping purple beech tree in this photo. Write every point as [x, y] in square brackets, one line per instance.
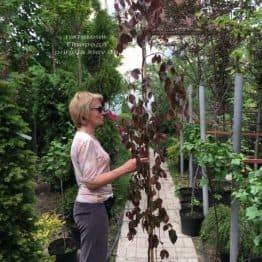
[137, 21]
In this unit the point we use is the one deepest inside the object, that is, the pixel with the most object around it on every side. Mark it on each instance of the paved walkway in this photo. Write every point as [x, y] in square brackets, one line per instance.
[136, 250]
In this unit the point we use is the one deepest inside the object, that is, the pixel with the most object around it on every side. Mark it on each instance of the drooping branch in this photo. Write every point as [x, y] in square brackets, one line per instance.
[137, 21]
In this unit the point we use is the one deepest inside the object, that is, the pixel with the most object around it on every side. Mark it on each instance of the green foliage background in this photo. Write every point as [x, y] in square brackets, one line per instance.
[17, 173]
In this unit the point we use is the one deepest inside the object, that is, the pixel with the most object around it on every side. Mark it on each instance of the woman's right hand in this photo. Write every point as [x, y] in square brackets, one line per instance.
[131, 164]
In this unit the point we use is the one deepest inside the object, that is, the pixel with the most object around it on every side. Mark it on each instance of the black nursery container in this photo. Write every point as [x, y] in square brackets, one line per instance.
[186, 205]
[64, 249]
[224, 257]
[188, 191]
[185, 194]
[225, 198]
[191, 221]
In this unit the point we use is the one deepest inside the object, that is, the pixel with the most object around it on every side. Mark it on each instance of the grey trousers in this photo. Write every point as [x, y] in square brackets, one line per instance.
[92, 222]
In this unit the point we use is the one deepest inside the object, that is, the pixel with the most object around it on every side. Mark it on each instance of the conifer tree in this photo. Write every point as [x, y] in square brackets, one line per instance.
[17, 170]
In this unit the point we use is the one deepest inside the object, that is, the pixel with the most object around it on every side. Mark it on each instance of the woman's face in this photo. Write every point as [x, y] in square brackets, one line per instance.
[96, 113]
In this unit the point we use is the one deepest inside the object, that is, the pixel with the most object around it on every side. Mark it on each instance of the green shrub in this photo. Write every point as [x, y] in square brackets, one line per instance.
[173, 150]
[208, 231]
[17, 173]
[218, 159]
[191, 133]
[120, 186]
[49, 226]
[172, 156]
[250, 195]
[45, 97]
[110, 140]
[66, 206]
[56, 164]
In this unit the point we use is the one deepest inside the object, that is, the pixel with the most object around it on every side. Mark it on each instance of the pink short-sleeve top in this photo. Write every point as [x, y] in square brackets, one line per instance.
[89, 160]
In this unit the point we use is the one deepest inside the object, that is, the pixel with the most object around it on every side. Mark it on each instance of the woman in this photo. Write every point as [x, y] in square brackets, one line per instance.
[92, 171]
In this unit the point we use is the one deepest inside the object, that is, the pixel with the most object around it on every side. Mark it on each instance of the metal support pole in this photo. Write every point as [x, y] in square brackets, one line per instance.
[237, 122]
[181, 152]
[190, 113]
[203, 137]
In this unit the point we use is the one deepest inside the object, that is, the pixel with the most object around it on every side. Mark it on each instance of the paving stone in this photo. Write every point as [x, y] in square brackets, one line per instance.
[188, 242]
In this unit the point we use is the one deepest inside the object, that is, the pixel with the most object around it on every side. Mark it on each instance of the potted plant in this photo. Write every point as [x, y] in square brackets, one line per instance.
[250, 195]
[191, 218]
[66, 208]
[49, 227]
[219, 197]
[221, 240]
[221, 193]
[186, 194]
[55, 164]
[65, 248]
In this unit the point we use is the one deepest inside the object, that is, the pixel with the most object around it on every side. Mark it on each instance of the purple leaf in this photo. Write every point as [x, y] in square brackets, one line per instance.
[141, 40]
[147, 2]
[164, 254]
[117, 8]
[158, 186]
[132, 99]
[135, 73]
[132, 22]
[122, 2]
[120, 48]
[165, 227]
[172, 235]
[125, 38]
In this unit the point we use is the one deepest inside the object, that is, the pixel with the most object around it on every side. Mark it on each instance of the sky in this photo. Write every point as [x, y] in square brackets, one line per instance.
[110, 4]
[131, 55]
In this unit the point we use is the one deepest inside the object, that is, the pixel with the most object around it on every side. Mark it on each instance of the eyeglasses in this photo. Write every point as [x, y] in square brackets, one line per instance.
[100, 109]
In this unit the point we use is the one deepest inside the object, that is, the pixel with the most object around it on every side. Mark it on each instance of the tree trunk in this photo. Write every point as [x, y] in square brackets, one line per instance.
[144, 90]
[79, 68]
[53, 56]
[259, 123]
[35, 147]
[79, 55]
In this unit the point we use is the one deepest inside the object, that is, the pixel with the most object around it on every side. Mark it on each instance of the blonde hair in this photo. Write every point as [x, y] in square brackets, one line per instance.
[79, 106]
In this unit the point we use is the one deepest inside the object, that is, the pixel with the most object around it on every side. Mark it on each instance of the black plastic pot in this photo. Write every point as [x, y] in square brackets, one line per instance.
[185, 194]
[191, 221]
[185, 198]
[185, 190]
[64, 249]
[186, 205]
[188, 190]
[256, 259]
[224, 257]
[186, 165]
[225, 198]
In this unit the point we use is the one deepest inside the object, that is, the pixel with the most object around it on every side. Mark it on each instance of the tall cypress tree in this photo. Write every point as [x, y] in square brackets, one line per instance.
[100, 60]
[17, 163]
